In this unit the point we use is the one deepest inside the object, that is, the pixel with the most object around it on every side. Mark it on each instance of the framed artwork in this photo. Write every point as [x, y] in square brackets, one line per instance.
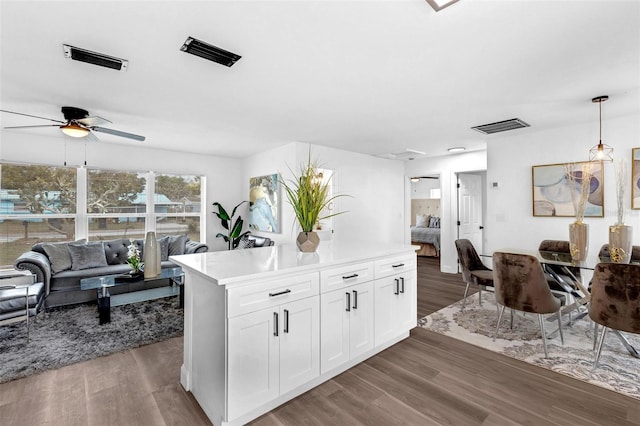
[552, 186]
[635, 178]
[264, 203]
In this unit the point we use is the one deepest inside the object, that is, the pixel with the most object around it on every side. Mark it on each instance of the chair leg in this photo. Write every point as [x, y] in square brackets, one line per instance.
[544, 335]
[600, 344]
[464, 299]
[499, 320]
[480, 295]
[595, 335]
[511, 325]
[560, 326]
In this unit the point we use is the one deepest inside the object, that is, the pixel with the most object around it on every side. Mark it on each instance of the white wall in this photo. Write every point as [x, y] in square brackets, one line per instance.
[223, 175]
[446, 167]
[510, 222]
[375, 210]
[422, 188]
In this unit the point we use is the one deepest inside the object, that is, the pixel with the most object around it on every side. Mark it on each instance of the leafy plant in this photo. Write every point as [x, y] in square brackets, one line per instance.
[234, 229]
[309, 195]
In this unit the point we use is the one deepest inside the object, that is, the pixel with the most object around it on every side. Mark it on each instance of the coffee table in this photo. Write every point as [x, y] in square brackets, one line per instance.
[105, 300]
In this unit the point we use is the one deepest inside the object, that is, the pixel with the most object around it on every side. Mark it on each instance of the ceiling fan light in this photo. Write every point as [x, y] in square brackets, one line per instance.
[74, 130]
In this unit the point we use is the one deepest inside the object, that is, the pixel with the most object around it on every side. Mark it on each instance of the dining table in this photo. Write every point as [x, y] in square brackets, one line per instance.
[574, 277]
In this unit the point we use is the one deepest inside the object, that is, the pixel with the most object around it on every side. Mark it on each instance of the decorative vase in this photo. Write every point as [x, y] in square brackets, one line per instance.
[578, 240]
[307, 242]
[151, 258]
[620, 244]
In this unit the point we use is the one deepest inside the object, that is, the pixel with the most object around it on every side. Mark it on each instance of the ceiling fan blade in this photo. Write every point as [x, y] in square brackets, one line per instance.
[92, 138]
[92, 121]
[29, 115]
[26, 127]
[118, 133]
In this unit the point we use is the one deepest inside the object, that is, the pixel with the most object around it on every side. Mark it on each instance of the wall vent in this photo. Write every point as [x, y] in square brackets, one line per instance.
[501, 126]
[95, 58]
[209, 52]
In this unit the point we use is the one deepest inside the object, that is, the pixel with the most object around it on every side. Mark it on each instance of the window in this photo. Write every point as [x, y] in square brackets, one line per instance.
[49, 204]
[37, 204]
[177, 205]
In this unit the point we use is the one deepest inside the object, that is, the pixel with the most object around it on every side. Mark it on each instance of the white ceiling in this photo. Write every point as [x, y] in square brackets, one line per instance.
[366, 76]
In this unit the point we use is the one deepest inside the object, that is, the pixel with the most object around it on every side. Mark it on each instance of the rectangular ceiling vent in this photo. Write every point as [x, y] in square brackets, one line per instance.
[209, 52]
[407, 154]
[95, 58]
[501, 126]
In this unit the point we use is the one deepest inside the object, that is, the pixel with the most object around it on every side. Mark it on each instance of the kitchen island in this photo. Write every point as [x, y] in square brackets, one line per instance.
[264, 325]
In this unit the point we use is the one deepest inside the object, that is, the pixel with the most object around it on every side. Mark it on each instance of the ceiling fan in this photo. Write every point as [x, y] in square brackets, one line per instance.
[78, 124]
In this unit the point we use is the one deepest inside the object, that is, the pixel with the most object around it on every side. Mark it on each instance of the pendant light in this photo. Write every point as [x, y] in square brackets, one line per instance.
[600, 152]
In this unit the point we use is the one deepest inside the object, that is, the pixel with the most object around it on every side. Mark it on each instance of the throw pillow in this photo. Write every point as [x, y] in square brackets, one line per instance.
[434, 222]
[177, 244]
[422, 220]
[164, 248]
[58, 255]
[85, 256]
[246, 243]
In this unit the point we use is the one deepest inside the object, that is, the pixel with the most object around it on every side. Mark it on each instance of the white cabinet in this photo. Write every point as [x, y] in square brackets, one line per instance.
[347, 324]
[395, 303]
[270, 352]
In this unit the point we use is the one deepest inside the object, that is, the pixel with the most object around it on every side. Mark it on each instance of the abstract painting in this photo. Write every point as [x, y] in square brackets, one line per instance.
[264, 203]
[635, 178]
[552, 189]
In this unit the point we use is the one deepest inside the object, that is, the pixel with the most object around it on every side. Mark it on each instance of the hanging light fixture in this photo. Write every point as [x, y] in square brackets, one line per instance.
[600, 152]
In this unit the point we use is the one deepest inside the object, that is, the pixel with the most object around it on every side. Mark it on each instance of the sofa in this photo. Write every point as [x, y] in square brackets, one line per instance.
[61, 266]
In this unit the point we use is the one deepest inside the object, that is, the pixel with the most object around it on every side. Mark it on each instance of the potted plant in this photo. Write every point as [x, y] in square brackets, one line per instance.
[309, 195]
[234, 229]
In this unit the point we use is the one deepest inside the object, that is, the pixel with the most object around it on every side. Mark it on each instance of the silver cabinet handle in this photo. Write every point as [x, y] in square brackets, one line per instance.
[286, 321]
[275, 324]
[348, 302]
[397, 290]
[279, 293]
[355, 299]
[402, 282]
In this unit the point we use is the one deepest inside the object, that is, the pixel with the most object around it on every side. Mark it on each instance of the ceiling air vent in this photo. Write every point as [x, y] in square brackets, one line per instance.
[209, 52]
[501, 126]
[95, 58]
[407, 154]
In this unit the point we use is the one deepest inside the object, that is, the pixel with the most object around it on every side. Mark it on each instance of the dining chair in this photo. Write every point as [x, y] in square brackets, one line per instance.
[615, 299]
[605, 254]
[520, 284]
[473, 270]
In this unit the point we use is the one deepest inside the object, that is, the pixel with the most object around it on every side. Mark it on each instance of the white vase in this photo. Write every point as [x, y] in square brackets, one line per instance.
[620, 243]
[151, 257]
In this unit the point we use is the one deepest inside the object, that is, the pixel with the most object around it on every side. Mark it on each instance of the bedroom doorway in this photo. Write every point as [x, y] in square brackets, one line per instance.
[425, 214]
[471, 208]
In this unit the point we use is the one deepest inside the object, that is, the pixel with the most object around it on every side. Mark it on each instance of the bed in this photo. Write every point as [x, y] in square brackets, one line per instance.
[426, 234]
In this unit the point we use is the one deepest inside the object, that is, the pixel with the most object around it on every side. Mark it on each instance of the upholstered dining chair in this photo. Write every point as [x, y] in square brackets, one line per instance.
[473, 270]
[606, 254]
[562, 249]
[615, 299]
[520, 284]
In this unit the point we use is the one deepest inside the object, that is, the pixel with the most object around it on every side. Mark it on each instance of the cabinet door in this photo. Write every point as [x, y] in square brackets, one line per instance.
[385, 303]
[334, 329]
[253, 368]
[361, 319]
[406, 304]
[299, 342]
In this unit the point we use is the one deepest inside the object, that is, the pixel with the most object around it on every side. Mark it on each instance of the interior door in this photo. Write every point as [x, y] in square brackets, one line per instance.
[470, 208]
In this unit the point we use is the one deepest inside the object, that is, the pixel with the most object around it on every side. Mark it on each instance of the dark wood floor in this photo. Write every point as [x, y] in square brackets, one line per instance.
[427, 379]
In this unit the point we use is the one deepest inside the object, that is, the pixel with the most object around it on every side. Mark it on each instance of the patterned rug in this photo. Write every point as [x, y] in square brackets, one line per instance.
[617, 370]
[68, 335]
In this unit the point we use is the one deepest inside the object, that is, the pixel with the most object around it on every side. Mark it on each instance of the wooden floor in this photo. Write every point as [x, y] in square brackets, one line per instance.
[427, 379]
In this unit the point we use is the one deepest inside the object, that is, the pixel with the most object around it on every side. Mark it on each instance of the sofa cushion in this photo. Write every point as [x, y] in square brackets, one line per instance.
[177, 244]
[116, 251]
[164, 248]
[58, 255]
[70, 280]
[85, 256]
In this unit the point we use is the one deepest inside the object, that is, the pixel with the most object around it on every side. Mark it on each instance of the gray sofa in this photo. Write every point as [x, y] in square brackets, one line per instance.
[61, 266]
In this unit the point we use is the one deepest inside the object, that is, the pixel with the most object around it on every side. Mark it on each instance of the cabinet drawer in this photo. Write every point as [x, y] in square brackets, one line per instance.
[336, 278]
[394, 265]
[266, 294]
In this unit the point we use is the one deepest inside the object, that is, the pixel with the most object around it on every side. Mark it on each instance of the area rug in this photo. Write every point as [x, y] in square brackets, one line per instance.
[617, 370]
[68, 335]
